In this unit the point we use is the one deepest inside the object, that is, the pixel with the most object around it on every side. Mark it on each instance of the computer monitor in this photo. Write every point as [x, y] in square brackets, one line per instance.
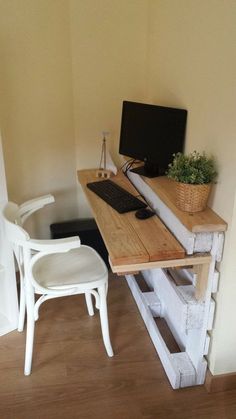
[152, 134]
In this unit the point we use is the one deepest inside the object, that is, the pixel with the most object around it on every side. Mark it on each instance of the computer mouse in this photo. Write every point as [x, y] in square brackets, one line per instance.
[144, 213]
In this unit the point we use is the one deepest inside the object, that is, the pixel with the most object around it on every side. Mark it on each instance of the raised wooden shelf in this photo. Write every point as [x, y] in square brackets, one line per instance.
[199, 222]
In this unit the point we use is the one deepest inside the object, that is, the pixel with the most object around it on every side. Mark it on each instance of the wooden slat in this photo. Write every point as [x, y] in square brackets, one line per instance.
[199, 222]
[201, 263]
[128, 239]
[159, 242]
[187, 261]
[202, 272]
[123, 244]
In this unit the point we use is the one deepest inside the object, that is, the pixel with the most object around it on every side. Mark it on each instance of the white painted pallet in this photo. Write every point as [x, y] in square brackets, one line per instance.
[188, 320]
[178, 302]
[178, 367]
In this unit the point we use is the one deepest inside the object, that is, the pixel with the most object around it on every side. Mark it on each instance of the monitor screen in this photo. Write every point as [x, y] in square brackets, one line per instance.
[152, 134]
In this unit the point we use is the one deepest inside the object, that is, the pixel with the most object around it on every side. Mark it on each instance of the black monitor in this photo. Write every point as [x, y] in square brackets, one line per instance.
[152, 134]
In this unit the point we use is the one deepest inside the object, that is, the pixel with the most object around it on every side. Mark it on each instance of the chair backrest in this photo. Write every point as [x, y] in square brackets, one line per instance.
[13, 224]
[14, 232]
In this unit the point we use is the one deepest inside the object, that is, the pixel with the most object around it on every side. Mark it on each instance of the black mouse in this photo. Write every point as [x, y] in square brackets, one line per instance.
[144, 213]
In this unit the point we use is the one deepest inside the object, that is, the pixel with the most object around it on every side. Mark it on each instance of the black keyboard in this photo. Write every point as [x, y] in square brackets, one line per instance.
[117, 197]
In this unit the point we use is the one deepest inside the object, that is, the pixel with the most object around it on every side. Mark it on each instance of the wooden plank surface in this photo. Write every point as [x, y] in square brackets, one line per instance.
[157, 239]
[199, 222]
[121, 241]
[129, 240]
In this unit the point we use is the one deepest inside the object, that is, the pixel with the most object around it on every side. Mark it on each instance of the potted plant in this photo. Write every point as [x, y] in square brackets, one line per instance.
[194, 174]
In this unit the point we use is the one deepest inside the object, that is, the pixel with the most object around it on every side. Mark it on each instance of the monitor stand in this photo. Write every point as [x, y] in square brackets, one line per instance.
[148, 170]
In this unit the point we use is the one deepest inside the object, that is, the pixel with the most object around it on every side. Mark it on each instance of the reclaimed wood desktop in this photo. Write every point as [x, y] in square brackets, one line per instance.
[134, 245]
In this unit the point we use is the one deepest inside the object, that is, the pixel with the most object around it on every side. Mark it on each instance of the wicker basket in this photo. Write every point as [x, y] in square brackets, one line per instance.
[192, 198]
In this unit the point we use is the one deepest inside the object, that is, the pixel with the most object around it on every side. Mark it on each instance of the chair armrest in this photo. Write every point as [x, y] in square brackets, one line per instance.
[54, 245]
[29, 207]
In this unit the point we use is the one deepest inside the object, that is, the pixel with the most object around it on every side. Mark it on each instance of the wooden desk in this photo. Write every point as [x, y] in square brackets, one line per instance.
[143, 245]
[128, 239]
[134, 244]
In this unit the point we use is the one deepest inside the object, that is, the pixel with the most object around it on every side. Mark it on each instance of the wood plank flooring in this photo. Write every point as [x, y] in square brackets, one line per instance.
[73, 377]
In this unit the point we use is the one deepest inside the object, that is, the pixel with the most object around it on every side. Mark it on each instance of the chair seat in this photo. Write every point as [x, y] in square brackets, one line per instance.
[76, 267]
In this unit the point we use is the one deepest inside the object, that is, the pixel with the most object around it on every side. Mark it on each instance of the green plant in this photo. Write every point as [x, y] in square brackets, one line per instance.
[194, 168]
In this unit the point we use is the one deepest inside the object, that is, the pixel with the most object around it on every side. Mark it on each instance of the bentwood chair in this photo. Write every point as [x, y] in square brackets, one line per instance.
[53, 268]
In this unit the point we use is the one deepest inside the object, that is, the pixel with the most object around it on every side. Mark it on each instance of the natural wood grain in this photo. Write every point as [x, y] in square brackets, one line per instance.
[128, 239]
[202, 272]
[199, 222]
[201, 264]
[156, 238]
[187, 261]
[121, 241]
[73, 378]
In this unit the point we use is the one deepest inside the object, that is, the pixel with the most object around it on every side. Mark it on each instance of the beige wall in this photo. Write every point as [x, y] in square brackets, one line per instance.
[109, 50]
[36, 116]
[192, 63]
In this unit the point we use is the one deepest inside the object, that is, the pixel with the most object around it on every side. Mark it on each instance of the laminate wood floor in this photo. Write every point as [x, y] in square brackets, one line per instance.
[73, 377]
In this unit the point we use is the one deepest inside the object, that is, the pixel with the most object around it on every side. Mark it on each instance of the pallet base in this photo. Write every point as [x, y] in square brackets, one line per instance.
[178, 366]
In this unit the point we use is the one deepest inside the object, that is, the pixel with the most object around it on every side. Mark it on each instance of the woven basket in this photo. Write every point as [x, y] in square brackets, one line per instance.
[192, 198]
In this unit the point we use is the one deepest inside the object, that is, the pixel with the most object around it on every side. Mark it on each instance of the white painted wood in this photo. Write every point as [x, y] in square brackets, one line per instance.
[188, 319]
[220, 247]
[203, 242]
[200, 242]
[178, 367]
[196, 338]
[207, 344]
[185, 368]
[153, 303]
[211, 315]
[201, 372]
[171, 370]
[183, 310]
[215, 281]
[8, 291]
[217, 246]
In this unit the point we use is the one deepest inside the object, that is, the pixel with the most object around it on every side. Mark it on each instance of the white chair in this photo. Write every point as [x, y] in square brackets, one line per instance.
[53, 268]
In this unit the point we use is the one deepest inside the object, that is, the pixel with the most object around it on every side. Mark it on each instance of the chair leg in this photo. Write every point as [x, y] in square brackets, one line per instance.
[89, 302]
[104, 320]
[21, 320]
[29, 331]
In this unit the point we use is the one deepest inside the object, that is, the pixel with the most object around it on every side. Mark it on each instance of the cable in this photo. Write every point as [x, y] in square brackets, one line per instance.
[128, 165]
